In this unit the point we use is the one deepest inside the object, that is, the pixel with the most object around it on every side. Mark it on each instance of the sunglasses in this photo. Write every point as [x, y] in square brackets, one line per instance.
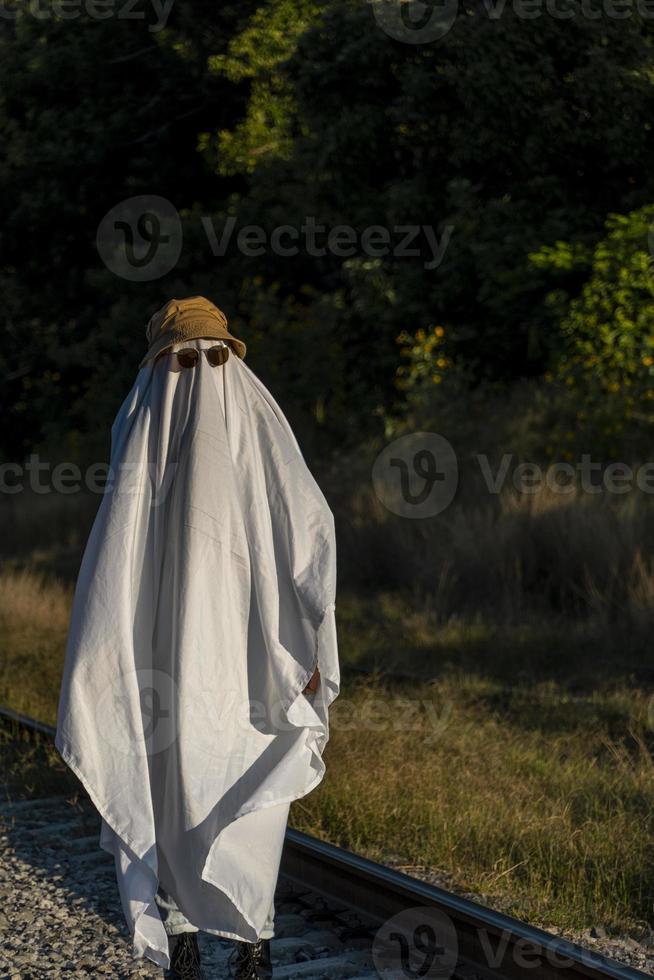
[189, 356]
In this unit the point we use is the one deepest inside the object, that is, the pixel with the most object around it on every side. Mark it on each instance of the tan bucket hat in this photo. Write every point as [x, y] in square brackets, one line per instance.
[187, 319]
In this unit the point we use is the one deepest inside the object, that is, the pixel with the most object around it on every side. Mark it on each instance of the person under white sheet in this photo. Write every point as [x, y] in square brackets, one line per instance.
[202, 655]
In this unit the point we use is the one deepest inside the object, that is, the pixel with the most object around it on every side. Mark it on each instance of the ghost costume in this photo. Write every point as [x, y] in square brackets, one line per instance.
[205, 601]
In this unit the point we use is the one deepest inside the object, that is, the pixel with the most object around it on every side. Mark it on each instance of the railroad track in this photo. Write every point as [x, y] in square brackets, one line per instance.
[338, 914]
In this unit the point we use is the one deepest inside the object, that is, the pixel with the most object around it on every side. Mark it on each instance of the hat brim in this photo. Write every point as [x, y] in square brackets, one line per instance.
[194, 331]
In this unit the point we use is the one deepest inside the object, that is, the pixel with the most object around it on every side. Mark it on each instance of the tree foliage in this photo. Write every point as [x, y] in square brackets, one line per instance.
[607, 358]
[505, 137]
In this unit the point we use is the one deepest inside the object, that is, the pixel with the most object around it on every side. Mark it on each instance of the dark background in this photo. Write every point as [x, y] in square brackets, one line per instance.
[530, 137]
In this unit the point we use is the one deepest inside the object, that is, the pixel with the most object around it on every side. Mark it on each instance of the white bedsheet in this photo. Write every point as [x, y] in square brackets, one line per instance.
[205, 599]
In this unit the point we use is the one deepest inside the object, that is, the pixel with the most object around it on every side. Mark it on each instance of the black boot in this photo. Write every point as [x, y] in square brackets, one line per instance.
[261, 957]
[184, 958]
[251, 961]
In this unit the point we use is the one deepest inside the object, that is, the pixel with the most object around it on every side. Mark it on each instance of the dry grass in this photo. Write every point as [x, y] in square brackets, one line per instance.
[510, 557]
[31, 767]
[34, 614]
[547, 825]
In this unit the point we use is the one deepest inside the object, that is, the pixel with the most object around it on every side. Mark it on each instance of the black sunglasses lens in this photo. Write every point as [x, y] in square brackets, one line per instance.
[217, 355]
[187, 358]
